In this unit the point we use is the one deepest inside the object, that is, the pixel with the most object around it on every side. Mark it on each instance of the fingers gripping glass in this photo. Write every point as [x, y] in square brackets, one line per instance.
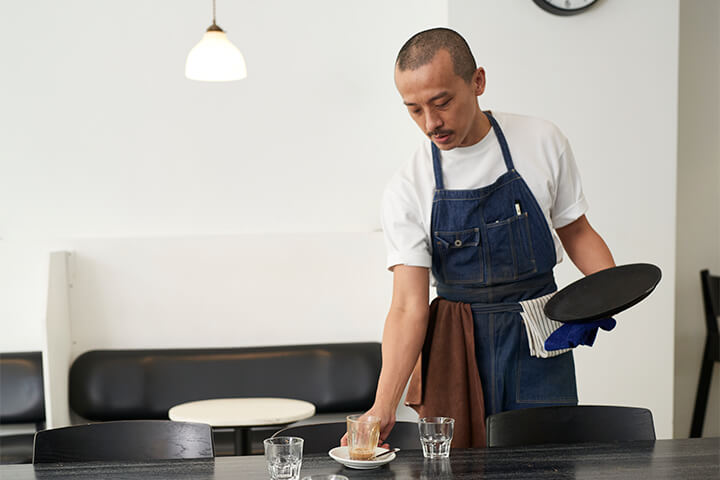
[363, 434]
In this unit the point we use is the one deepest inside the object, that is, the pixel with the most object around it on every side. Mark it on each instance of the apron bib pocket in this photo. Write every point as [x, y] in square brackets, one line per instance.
[511, 253]
[461, 256]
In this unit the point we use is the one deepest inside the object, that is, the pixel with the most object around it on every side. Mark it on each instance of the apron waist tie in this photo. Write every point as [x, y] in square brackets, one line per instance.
[495, 307]
[507, 293]
[537, 326]
[527, 297]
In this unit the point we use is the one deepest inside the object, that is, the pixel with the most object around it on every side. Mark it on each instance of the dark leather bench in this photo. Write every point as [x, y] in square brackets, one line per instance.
[22, 401]
[145, 384]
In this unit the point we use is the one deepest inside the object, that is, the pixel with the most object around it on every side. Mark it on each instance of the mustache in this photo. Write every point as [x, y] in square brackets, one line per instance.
[438, 133]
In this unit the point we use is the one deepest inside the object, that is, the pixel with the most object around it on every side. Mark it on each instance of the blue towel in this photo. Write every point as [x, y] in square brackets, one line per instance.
[573, 334]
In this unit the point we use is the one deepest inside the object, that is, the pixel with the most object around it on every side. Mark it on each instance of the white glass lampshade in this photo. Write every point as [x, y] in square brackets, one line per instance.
[215, 59]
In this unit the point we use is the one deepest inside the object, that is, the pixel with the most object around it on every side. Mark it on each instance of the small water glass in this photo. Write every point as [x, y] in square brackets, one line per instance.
[363, 433]
[435, 436]
[283, 456]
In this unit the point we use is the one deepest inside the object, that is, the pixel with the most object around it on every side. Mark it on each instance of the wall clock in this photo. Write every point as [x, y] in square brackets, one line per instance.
[565, 7]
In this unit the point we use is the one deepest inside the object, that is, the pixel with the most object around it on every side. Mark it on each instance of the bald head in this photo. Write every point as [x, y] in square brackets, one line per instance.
[422, 47]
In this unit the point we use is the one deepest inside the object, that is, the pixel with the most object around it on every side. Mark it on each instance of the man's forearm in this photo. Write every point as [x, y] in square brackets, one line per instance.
[585, 247]
[403, 339]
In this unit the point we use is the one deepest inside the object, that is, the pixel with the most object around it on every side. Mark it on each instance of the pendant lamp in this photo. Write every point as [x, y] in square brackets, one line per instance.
[215, 59]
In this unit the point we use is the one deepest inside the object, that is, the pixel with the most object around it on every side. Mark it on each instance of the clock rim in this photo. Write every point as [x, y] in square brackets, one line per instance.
[562, 11]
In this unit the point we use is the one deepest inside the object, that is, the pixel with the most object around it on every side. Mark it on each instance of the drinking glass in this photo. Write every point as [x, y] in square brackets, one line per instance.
[363, 433]
[283, 456]
[435, 436]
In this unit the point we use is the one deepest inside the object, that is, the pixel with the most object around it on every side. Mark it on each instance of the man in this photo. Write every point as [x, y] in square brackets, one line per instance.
[488, 206]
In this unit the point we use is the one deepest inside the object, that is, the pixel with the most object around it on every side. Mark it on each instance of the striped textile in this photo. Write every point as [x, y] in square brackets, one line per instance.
[539, 327]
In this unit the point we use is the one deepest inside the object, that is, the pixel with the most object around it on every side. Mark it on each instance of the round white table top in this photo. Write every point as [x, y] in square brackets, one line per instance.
[242, 412]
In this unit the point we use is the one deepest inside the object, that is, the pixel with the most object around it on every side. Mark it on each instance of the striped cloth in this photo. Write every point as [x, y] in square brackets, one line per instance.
[539, 327]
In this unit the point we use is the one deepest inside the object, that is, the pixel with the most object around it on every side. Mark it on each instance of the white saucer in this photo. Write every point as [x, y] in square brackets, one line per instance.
[341, 455]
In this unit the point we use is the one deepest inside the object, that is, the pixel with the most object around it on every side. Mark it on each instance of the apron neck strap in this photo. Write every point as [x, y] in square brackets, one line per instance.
[437, 169]
[501, 140]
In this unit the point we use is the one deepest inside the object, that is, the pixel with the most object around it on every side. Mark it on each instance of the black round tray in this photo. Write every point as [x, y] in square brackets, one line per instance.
[604, 293]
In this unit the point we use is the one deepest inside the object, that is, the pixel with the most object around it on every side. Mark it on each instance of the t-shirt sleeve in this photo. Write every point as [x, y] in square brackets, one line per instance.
[570, 203]
[406, 241]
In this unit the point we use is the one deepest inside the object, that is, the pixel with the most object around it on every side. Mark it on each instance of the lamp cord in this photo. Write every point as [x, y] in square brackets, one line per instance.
[213, 12]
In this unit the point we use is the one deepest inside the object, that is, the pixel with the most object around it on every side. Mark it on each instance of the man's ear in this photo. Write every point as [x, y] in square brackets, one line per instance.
[479, 81]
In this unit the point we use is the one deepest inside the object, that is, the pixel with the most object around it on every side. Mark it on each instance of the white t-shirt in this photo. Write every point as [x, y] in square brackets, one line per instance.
[541, 155]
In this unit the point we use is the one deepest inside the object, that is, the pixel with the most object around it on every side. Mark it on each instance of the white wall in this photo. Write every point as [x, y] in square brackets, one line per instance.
[698, 226]
[608, 79]
[228, 291]
[102, 136]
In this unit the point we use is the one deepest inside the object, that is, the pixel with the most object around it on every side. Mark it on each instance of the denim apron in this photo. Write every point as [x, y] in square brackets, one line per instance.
[492, 248]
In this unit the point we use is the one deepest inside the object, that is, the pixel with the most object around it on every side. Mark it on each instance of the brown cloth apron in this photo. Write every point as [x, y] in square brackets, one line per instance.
[446, 381]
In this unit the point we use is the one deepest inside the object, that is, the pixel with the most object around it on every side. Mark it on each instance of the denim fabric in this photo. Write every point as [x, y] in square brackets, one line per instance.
[491, 235]
[492, 248]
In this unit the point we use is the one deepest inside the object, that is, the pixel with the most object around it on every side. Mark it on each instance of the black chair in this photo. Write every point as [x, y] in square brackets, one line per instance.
[22, 401]
[322, 437]
[711, 300]
[124, 440]
[569, 424]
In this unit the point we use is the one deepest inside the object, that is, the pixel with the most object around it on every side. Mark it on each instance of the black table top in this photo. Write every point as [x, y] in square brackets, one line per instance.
[685, 459]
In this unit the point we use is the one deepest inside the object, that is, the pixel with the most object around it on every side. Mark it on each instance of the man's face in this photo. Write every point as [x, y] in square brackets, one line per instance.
[442, 104]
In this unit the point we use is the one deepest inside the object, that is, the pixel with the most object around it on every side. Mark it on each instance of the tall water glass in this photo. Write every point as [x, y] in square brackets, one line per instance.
[283, 456]
[435, 436]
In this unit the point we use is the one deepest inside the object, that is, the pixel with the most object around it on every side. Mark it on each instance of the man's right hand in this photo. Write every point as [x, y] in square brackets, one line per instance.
[387, 422]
